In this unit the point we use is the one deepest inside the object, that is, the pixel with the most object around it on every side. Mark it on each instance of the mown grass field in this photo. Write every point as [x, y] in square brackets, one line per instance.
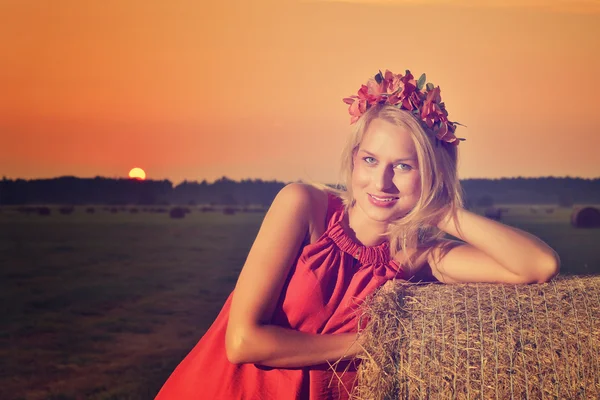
[104, 305]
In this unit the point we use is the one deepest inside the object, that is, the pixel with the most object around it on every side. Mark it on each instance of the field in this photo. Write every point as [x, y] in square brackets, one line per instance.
[104, 305]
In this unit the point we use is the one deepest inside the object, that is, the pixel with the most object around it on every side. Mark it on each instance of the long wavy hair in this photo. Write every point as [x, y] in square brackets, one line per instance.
[441, 192]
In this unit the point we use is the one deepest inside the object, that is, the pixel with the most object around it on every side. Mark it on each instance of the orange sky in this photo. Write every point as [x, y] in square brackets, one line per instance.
[253, 89]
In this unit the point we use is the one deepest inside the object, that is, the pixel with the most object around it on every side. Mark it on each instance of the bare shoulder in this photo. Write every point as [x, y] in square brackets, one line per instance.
[302, 195]
[295, 195]
[301, 198]
[313, 202]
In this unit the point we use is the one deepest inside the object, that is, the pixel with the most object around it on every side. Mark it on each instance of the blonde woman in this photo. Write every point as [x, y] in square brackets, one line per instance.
[289, 328]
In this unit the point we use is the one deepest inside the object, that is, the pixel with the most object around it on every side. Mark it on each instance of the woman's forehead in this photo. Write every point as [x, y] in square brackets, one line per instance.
[385, 139]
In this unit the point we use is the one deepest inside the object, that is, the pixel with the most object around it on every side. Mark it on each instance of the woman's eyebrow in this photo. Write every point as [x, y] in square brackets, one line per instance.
[398, 160]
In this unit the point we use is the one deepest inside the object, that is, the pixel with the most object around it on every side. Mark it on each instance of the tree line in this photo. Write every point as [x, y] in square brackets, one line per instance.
[225, 191]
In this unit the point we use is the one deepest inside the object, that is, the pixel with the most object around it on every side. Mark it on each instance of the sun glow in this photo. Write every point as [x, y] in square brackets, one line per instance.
[137, 173]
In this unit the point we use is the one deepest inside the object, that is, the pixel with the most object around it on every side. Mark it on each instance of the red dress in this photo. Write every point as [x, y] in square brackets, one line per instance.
[324, 288]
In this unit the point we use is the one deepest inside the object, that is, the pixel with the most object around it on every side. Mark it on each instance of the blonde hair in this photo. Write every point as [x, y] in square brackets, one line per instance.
[441, 191]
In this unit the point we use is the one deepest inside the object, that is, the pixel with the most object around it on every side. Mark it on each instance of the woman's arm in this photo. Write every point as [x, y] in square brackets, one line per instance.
[493, 252]
[250, 338]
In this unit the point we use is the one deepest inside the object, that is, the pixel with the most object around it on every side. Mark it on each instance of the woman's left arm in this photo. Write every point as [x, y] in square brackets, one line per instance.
[493, 252]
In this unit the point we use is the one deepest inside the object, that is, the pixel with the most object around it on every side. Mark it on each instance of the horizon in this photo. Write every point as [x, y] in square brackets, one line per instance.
[210, 182]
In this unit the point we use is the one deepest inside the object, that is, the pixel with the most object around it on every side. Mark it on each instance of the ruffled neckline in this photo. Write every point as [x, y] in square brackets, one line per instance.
[364, 254]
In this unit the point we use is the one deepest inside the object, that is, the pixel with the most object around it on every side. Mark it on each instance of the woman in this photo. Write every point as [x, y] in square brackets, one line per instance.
[289, 329]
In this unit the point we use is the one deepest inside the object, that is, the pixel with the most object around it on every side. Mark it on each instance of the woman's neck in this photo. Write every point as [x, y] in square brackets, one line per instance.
[365, 230]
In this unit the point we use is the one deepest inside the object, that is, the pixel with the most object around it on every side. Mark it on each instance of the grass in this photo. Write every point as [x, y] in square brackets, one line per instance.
[104, 306]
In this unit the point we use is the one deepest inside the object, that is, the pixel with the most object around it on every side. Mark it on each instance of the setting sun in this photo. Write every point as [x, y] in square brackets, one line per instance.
[137, 173]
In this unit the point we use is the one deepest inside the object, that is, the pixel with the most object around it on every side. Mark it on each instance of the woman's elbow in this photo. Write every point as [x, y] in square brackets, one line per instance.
[548, 267]
[234, 347]
[237, 347]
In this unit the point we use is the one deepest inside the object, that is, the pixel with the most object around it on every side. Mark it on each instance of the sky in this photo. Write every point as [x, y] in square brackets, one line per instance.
[194, 90]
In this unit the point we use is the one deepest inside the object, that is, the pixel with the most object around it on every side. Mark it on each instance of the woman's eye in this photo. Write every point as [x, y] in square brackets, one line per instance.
[404, 167]
[369, 160]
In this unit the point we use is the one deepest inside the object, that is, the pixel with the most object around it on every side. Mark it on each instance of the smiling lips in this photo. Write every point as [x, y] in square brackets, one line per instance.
[382, 201]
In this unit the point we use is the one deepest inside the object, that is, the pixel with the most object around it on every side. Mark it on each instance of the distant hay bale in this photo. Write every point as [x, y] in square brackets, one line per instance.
[207, 209]
[253, 209]
[45, 211]
[229, 211]
[493, 213]
[114, 210]
[586, 217]
[66, 210]
[534, 210]
[483, 341]
[549, 210]
[27, 210]
[90, 210]
[177, 212]
[134, 210]
[566, 200]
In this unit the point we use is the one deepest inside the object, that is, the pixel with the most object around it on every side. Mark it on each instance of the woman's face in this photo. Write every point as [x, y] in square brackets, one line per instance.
[385, 180]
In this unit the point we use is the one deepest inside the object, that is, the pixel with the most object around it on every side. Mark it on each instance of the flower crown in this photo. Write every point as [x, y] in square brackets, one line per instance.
[406, 93]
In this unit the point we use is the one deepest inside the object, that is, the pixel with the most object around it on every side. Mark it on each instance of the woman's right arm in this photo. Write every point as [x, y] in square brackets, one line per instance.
[250, 338]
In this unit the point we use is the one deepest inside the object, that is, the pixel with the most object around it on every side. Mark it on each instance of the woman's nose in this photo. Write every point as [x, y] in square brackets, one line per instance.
[384, 178]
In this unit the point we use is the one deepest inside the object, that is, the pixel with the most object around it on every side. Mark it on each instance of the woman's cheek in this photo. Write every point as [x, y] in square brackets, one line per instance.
[416, 182]
[360, 176]
[408, 185]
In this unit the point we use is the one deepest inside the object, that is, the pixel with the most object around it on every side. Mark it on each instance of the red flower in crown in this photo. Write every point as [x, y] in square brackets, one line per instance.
[368, 95]
[404, 92]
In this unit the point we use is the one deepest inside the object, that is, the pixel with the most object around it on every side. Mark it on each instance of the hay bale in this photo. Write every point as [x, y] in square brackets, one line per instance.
[586, 217]
[177, 212]
[483, 341]
[45, 211]
[493, 213]
[66, 210]
[90, 210]
[229, 211]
